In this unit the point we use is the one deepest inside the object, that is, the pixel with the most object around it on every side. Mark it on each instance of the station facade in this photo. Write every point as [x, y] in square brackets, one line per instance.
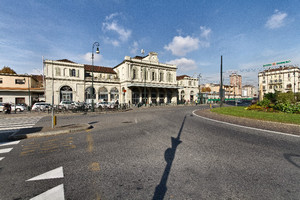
[134, 80]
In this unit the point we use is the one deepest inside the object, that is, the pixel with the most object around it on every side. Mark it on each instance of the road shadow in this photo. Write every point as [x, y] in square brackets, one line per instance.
[289, 157]
[23, 132]
[161, 188]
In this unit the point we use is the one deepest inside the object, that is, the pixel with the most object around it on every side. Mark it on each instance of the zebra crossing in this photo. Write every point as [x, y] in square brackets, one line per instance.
[14, 124]
[5, 147]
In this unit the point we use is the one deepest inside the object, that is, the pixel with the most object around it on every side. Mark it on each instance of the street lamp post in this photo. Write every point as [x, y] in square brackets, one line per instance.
[92, 89]
[29, 94]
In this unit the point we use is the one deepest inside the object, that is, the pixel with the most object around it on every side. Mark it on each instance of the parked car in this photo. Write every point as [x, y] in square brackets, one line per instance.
[67, 104]
[103, 104]
[41, 106]
[5, 107]
[1, 107]
[17, 108]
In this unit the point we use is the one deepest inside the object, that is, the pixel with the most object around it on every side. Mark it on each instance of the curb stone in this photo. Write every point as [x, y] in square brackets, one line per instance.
[63, 130]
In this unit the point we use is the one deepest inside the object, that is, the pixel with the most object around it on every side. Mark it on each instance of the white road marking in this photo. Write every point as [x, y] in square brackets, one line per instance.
[55, 173]
[56, 193]
[9, 143]
[5, 150]
[1, 158]
[240, 126]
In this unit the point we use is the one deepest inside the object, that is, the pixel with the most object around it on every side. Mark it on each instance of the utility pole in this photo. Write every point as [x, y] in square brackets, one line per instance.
[221, 83]
[199, 77]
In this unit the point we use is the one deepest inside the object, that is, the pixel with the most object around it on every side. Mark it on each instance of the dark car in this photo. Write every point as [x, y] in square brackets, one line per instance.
[7, 108]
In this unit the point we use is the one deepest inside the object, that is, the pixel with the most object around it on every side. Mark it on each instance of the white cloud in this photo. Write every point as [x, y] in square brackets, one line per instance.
[88, 57]
[184, 64]
[180, 46]
[205, 32]
[115, 27]
[111, 16]
[134, 48]
[276, 20]
[112, 27]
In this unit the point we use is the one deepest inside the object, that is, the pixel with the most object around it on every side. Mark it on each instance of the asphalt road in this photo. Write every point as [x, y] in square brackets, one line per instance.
[159, 153]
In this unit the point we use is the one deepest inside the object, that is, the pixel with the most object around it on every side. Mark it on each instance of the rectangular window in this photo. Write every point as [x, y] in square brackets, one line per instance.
[1, 99]
[72, 72]
[1, 81]
[57, 71]
[20, 81]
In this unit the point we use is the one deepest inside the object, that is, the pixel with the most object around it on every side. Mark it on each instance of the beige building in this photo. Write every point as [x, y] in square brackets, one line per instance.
[232, 91]
[249, 91]
[189, 88]
[16, 88]
[281, 79]
[134, 80]
[235, 84]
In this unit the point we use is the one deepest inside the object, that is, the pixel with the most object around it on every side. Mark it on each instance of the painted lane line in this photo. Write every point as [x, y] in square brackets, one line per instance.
[5, 150]
[1, 158]
[56, 193]
[55, 173]
[90, 142]
[9, 143]
[240, 126]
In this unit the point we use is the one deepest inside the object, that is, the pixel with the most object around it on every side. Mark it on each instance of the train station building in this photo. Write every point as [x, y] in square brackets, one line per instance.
[134, 80]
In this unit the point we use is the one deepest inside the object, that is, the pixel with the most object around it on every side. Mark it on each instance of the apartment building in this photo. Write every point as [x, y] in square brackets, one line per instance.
[283, 79]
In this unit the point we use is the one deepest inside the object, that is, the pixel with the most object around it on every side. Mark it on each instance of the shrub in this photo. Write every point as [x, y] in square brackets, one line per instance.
[264, 103]
[287, 98]
[255, 107]
[288, 107]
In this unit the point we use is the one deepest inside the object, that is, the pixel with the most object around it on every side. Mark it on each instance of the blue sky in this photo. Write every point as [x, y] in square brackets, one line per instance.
[192, 34]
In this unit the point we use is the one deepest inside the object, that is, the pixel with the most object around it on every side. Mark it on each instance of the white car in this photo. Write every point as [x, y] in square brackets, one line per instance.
[41, 106]
[17, 108]
[67, 104]
[103, 104]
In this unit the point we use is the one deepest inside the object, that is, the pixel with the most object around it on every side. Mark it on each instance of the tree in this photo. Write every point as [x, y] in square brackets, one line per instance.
[205, 89]
[7, 70]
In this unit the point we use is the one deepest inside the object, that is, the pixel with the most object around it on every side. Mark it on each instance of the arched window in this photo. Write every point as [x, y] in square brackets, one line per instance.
[192, 96]
[114, 94]
[90, 93]
[103, 94]
[66, 93]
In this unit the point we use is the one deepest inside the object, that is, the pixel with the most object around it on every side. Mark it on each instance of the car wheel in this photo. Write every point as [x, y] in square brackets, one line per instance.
[18, 110]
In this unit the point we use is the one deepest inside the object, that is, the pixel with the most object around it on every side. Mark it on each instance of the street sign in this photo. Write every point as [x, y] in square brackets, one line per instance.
[277, 63]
